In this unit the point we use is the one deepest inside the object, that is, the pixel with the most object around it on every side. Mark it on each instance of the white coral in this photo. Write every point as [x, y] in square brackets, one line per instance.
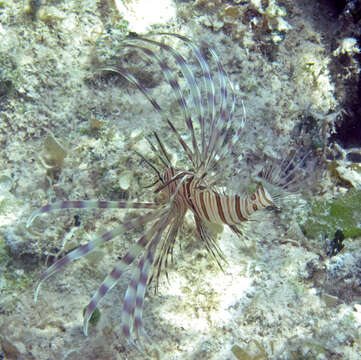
[347, 46]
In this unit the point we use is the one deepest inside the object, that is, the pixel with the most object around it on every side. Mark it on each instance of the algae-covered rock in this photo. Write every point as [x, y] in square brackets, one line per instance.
[54, 153]
[328, 216]
[255, 351]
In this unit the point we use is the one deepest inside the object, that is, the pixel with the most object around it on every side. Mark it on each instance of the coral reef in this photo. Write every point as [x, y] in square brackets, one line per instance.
[281, 296]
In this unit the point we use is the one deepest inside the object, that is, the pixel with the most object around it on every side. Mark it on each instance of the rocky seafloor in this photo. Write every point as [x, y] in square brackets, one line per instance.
[291, 289]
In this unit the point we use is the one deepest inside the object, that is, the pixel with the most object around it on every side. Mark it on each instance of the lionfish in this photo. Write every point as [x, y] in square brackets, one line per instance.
[193, 190]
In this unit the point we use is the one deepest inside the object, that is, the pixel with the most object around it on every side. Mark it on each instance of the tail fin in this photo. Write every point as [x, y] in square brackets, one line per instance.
[296, 172]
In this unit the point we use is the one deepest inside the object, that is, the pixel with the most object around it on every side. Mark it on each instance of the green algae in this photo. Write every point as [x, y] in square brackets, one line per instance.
[255, 351]
[94, 318]
[328, 216]
[4, 251]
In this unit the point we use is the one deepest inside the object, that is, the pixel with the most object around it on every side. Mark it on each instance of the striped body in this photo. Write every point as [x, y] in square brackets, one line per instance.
[229, 209]
[211, 206]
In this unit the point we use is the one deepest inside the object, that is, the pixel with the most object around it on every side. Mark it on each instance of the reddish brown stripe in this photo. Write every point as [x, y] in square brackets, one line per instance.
[45, 208]
[102, 204]
[237, 200]
[139, 301]
[203, 205]
[143, 278]
[187, 188]
[78, 204]
[143, 241]
[187, 193]
[246, 207]
[116, 273]
[264, 196]
[126, 331]
[138, 322]
[259, 198]
[123, 205]
[128, 258]
[195, 203]
[132, 284]
[107, 236]
[228, 202]
[91, 307]
[211, 206]
[103, 289]
[220, 209]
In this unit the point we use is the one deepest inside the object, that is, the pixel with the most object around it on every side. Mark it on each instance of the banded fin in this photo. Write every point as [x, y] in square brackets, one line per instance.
[98, 241]
[89, 204]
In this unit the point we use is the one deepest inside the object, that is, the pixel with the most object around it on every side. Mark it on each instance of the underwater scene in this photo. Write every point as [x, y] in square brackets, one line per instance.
[180, 179]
